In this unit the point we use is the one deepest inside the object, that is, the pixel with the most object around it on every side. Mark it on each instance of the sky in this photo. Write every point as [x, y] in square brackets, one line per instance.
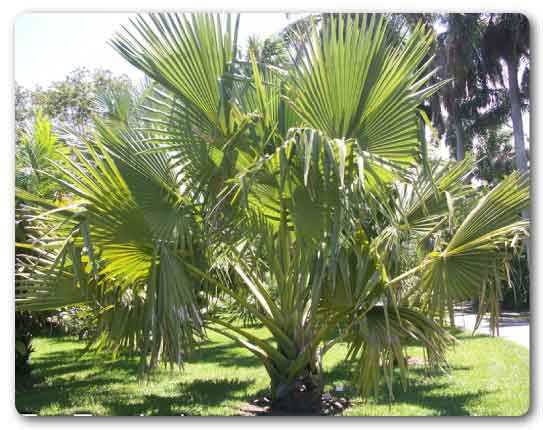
[48, 46]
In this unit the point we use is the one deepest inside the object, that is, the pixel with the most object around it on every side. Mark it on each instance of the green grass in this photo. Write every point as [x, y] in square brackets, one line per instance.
[487, 376]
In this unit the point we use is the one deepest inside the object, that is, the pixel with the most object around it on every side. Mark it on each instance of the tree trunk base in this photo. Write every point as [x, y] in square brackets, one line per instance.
[302, 404]
[301, 396]
[299, 402]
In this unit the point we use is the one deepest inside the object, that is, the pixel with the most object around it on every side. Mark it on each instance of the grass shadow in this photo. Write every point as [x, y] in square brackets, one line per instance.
[424, 389]
[224, 354]
[204, 393]
[65, 379]
[212, 385]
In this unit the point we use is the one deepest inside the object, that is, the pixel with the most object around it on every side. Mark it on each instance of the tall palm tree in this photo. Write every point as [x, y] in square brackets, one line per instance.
[505, 45]
[459, 58]
[469, 106]
[299, 186]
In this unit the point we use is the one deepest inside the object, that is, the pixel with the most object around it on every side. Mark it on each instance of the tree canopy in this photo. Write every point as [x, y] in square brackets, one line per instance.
[302, 195]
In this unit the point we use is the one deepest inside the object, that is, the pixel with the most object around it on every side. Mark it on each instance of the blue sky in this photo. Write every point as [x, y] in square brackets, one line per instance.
[48, 46]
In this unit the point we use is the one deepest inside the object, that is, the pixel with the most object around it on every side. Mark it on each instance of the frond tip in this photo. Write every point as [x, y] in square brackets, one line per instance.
[379, 341]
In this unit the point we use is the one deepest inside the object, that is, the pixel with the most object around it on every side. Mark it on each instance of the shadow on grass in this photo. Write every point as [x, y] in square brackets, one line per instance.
[64, 393]
[424, 389]
[61, 362]
[204, 393]
[66, 379]
[57, 364]
[225, 355]
[67, 391]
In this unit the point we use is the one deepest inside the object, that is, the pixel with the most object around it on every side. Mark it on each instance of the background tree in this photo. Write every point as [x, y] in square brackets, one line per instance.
[65, 104]
[505, 47]
[22, 106]
[495, 153]
[70, 102]
[37, 148]
[271, 50]
[472, 104]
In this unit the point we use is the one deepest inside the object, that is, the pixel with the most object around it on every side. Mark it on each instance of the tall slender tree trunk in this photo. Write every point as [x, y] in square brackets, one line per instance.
[459, 133]
[521, 160]
[460, 155]
[451, 315]
[516, 115]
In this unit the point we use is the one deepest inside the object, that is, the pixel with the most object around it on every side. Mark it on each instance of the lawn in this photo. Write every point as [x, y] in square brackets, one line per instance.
[487, 376]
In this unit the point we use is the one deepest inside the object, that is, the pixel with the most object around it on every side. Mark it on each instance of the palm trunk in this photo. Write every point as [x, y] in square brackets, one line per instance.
[516, 116]
[459, 133]
[295, 371]
[300, 395]
[521, 160]
[451, 315]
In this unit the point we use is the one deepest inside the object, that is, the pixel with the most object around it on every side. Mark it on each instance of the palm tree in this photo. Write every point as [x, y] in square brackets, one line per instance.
[458, 54]
[505, 45]
[300, 187]
[37, 147]
[271, 51]
[469, 106]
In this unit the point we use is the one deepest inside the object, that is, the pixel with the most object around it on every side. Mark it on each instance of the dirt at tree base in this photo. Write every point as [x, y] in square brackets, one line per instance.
[262, 406]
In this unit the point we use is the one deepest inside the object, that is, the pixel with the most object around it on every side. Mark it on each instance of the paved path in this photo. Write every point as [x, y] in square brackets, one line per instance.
[515, 327]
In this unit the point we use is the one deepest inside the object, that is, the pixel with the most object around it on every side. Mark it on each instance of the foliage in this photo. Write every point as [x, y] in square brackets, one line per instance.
[496, 156]
[303, 186]
[506, 38]
[517, 296]
[22, 107]
[70, 102]
[36, 146]
[469, 49]
[78, 321]
[506, 45]
[272, 51]
[23, 344]
[35, 155]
